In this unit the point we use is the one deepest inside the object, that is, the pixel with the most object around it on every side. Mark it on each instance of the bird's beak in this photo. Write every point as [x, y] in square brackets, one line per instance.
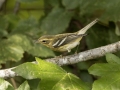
[36, 41]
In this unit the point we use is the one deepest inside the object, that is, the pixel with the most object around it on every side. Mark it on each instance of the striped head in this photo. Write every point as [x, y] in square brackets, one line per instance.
[45, 40]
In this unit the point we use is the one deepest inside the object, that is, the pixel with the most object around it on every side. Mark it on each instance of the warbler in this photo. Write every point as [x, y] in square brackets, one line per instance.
[66, 41]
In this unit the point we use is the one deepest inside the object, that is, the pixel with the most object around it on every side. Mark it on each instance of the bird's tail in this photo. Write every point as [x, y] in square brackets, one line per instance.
[83, 30]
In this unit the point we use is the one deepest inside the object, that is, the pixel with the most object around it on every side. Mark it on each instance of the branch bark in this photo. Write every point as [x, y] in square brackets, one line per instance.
[71, 59]
[86, 55]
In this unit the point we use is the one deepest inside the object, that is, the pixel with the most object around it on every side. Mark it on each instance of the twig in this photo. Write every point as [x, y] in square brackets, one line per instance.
[71, 59]
[17, 7]
[1, 3]
[14, 83]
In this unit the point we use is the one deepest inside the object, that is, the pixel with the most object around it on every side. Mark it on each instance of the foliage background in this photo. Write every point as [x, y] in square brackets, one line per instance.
[24, 21]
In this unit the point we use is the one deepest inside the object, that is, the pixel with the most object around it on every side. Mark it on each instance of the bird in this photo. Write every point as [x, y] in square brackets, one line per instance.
[66, 41]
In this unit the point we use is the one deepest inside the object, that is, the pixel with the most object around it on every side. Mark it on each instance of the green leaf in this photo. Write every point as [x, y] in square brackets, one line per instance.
[111, 58]
[3, 33]
[3, 23]
[39, 70]
[34, 49]
[70, 82]
[34, 83]
[40, 50]
[51, 75]
[12, 19]
[28, 27]
[61, 78]
[53, 68]
[71, 4]
[109, 82]
[24, 86]
[101, 69]
[27, 70]
[14, 47]
[3, 26]
[10, 51]
[21, 40]
[56, 21]
[107, 9]
[109, 72]
[4, 85]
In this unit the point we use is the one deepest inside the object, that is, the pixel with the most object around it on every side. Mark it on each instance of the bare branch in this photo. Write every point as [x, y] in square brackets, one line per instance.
[71, 59]
[17, 7]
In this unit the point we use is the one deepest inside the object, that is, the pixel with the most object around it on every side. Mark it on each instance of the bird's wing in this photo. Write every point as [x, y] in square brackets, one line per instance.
[65, 39]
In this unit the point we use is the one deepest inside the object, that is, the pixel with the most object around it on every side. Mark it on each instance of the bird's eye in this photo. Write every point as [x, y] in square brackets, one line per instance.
[44, 41]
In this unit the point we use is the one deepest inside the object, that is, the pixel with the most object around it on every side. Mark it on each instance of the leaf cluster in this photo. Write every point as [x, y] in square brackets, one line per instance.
[22, 22]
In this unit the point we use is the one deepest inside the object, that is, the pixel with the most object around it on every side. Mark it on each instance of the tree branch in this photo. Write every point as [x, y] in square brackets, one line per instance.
[71, 59]
[17, 7]
[86, 55]
[7, 73]
[1, 3]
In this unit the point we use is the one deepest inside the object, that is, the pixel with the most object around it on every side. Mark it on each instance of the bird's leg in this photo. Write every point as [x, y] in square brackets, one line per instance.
[68, 50]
